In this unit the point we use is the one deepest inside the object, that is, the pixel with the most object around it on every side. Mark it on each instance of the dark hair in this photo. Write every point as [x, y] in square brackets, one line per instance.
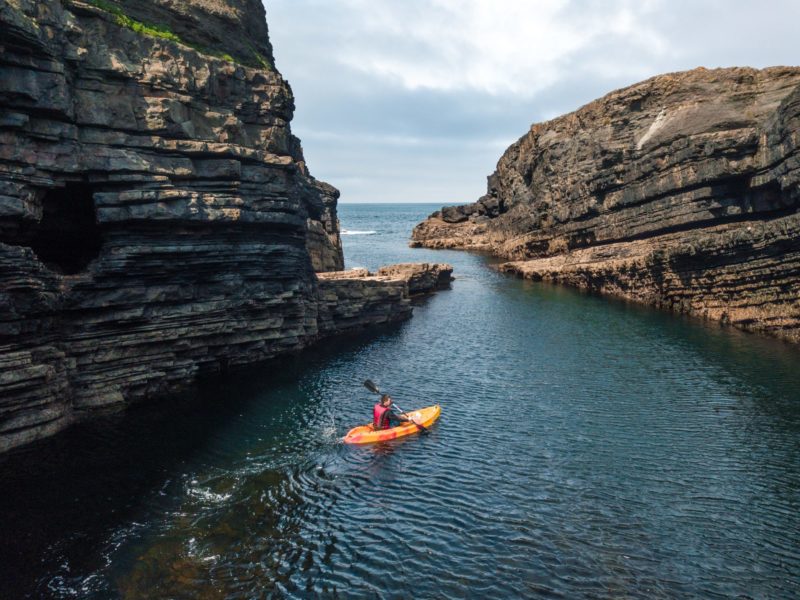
[385, 397]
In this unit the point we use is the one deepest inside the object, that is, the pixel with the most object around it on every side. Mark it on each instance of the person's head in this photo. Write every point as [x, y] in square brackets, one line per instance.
[386, 400]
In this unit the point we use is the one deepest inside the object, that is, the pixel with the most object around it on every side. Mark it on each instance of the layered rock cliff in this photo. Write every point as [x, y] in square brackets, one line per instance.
[157, 219]
[681, 191]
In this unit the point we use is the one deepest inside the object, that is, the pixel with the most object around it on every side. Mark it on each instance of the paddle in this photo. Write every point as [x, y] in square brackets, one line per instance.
[374, 389]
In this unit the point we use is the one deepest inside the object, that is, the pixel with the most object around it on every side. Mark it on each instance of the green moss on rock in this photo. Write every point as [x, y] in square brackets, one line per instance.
[164, 33]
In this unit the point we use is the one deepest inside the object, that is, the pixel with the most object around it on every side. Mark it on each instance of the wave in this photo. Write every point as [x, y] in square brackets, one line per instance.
[357, 232]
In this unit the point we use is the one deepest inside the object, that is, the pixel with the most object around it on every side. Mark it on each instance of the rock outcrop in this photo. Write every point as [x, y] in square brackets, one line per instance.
[356, 299]
[157, 219]
[681, 191]
[422, 278]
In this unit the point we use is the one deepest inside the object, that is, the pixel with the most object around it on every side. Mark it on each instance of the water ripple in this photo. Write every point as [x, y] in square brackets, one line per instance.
[586, 449]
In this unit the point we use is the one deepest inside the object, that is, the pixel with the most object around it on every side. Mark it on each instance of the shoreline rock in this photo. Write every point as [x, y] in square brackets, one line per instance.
[681, 192]
[356, 299]
[157, 217]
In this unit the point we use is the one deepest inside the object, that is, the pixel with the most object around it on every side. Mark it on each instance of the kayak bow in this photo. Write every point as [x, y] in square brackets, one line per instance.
[365, 434]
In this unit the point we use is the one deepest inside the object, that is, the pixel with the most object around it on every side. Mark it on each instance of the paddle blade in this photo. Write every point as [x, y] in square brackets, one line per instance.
[400, 411]
[371, 386]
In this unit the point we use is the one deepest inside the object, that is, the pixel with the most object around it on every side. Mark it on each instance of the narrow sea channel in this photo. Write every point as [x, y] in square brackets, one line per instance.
[587, 448]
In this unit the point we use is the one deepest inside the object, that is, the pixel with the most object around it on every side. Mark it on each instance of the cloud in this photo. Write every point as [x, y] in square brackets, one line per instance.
[403, 141]
[492, 46]
[416, 100]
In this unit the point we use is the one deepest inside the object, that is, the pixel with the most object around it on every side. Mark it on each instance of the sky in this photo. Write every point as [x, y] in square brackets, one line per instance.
[416, 100]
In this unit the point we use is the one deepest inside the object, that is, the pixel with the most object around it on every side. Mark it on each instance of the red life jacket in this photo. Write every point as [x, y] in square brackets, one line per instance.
[380, 418]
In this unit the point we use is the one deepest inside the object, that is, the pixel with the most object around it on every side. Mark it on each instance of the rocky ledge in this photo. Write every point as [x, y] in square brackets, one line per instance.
[681, 191]
[157, 218]
[355, 299]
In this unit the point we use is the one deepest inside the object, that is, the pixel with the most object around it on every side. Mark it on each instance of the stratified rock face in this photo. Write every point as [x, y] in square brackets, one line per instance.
[156, 215]
[323, 241]
[682, 191]
[356, 299]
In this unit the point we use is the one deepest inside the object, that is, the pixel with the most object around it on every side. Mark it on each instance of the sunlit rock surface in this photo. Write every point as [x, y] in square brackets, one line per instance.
[355, 299]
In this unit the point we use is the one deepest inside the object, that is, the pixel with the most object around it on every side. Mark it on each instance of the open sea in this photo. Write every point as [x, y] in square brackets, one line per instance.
[587, 448]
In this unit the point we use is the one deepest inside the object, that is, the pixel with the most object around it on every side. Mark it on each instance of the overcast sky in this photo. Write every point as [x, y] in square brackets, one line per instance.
[415, 100]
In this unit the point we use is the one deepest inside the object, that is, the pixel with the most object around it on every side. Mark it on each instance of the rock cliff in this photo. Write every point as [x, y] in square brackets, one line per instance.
[681, 191]
[157, 218]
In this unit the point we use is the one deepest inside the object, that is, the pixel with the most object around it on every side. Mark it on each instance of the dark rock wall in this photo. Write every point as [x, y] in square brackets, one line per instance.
[157, 219]
[323, 242]
[353, 303]
[682, 191]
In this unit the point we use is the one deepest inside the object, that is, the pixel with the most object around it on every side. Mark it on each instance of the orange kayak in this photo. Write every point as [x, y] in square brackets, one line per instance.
[365, 434]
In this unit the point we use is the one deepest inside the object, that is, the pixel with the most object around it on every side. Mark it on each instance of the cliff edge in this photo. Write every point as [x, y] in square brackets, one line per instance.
[681, 191]
[157, 219]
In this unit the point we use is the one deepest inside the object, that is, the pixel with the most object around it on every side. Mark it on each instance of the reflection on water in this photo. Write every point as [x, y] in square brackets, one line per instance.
[586, 448]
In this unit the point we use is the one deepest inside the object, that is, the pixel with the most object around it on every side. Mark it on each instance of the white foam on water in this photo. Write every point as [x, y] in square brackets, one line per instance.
[208, 496]
[357, 232]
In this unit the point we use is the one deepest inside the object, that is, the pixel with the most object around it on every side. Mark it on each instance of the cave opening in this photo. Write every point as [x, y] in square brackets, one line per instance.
[67, 238]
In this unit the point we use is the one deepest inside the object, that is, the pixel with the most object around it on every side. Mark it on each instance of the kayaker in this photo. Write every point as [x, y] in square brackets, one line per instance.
[382, 415]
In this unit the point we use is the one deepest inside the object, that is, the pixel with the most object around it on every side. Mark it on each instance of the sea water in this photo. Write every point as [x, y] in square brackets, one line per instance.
[587, 448]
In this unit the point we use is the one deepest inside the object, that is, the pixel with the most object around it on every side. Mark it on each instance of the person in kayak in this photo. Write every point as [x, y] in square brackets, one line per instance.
[382, 415]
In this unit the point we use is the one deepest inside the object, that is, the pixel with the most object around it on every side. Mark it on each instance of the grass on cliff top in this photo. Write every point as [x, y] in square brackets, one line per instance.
[164, 33]
[259, 57]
